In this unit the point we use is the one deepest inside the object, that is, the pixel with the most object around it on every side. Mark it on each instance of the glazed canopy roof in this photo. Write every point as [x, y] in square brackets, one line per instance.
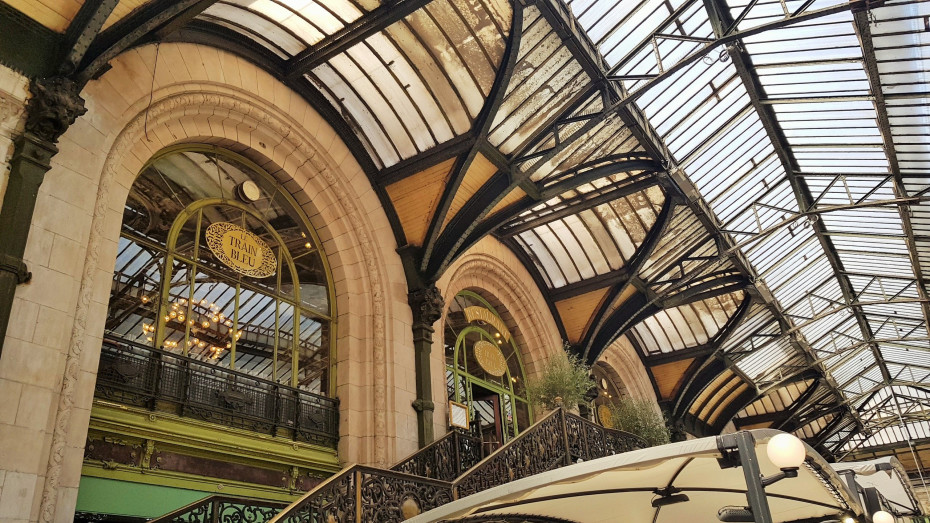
[737, 189]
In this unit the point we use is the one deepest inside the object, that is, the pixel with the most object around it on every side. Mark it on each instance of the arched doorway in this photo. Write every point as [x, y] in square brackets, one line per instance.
[610, 388]
[484, 370]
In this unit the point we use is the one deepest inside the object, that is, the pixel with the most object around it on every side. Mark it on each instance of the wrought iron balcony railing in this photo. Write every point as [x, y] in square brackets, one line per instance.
[133, 374]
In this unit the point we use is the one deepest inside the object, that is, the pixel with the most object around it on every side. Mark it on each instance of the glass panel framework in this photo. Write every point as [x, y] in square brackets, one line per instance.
[403, 89]
[794, 161]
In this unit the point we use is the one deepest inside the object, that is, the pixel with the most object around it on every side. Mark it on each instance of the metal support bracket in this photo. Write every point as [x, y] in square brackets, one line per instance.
[15, 266]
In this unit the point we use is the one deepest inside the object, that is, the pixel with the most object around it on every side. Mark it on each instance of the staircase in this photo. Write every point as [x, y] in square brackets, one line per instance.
[448, 469]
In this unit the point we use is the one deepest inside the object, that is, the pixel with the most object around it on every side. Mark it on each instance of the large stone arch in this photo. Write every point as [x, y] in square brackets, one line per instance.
[491, 267]
[132, 116]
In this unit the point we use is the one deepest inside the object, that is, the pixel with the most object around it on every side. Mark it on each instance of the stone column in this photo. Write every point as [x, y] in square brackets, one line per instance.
[427, 305]
[55, 104]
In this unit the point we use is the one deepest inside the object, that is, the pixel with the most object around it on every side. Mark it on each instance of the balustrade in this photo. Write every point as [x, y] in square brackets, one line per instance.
[223, 509]
[133, 374]
[446, 458]
[416, 484]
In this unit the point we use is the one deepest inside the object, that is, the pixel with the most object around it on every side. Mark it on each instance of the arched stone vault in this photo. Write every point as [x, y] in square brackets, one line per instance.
[130, 118]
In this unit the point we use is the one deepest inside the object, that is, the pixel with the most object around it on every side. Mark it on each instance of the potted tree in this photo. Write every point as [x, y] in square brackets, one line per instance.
[641, 418]
[563, 382]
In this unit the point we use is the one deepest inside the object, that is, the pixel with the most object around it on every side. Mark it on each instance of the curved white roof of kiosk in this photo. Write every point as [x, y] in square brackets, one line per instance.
[620, 488]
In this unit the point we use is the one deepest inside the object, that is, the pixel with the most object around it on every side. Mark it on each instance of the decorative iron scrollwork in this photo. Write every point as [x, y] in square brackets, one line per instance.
[536, 450]
[223, 509]
[445, 459]
[136, 375]
[234, 399]
[384, 496]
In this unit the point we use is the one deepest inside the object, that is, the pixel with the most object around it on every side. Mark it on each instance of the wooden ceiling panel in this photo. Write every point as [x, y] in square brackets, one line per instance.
[765, 425]
[668, 376]
[123, 8]
[479, 172]
[624, 295]
[730, 396]
[54, 14]
[415, 199]
[576, 312]
[725, 381]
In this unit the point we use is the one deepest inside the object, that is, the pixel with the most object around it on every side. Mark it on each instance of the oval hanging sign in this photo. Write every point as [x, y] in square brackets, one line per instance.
[490, 358]
[241, 250]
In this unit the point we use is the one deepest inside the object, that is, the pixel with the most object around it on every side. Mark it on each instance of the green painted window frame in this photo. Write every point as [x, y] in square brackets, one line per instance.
[170, 254]
[464, 374]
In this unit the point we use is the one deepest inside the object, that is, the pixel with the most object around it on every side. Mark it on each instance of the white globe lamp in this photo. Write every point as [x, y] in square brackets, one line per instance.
[882, 517]
[786, 451]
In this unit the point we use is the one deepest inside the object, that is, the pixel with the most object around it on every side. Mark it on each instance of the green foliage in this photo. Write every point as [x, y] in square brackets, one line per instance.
[566, 378]
[641, 418]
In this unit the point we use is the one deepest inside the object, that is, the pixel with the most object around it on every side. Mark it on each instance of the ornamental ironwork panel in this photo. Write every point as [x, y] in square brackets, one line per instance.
[390, 496]
[333, 500]
[574, 432]
[617, 441]
[366, 494]
[223, 509]
[558, 440]
[136, 375]
[540, 448]
[445, 459]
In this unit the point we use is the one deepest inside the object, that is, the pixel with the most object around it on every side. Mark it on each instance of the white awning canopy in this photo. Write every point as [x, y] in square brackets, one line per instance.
[888, 476]
[621, 488]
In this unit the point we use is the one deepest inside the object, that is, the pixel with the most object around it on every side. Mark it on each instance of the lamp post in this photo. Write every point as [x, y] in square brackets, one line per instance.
[785, 451]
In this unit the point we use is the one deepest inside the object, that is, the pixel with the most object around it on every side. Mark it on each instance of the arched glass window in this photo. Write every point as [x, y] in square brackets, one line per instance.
[484, 370]
[216, 261]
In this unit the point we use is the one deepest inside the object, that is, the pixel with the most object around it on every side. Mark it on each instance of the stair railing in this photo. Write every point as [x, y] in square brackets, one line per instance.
[223, 509]
[417, 484]
[367, 494]
[445, 459]
[559, 439]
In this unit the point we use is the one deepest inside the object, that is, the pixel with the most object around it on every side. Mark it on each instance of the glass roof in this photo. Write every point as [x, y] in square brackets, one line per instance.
[803, 126]
[795, 127]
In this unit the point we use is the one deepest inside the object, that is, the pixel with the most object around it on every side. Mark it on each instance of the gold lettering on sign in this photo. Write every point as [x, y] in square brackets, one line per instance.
[476, 313]
[241, 250]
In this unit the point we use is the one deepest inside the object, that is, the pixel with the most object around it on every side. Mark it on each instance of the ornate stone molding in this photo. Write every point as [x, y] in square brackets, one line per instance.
[11, 112]
[161, 111]
[502, 278]
[54, 105]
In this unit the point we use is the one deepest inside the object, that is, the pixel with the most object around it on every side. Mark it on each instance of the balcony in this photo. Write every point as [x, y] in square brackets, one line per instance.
[132, 374]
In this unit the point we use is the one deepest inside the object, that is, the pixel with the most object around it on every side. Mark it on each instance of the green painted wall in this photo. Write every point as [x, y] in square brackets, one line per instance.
[107, 496]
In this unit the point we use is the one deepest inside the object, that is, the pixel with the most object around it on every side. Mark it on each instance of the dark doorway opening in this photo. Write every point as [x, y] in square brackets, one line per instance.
[487, 421]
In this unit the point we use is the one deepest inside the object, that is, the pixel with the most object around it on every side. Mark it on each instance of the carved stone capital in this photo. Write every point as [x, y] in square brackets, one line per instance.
[55, 105]
[427, 305]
